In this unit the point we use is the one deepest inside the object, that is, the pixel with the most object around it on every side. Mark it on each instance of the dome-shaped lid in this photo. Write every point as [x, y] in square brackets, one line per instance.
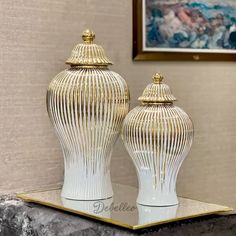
[157, 92]
[88, 53]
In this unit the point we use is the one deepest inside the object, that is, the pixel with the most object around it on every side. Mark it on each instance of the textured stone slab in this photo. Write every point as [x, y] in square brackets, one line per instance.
[18, 218]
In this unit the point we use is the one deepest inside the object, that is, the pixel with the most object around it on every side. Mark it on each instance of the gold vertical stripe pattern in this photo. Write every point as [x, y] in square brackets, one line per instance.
[158, 138]
[87, 108]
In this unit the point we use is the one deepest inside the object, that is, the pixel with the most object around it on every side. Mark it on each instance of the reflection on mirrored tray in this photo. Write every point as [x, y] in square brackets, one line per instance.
[109, 209]
[100, 208]
[123, 210]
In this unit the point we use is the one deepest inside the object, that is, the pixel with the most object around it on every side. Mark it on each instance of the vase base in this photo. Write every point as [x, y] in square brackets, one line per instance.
[87, 199]
[158, 200]
[157, 204]
[79, 185]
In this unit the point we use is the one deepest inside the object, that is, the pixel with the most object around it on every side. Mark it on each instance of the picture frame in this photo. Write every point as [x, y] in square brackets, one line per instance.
[171, 54]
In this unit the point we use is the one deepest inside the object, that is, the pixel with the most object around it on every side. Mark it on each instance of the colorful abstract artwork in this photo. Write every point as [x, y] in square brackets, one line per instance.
[189, 26]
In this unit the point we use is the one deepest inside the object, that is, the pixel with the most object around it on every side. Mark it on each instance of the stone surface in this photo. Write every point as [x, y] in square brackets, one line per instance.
[18, 218]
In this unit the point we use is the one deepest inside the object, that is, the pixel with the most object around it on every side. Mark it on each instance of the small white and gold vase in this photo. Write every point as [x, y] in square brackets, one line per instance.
[87, 104]
[158, 137]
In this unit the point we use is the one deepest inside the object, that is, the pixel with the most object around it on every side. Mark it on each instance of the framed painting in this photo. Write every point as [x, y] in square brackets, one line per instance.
[184, 30]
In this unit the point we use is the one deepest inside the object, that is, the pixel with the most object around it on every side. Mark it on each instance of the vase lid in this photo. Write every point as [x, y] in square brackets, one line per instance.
[157, 92]
[88, 53]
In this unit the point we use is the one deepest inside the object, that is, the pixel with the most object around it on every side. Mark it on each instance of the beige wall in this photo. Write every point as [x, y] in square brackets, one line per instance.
[36, 38]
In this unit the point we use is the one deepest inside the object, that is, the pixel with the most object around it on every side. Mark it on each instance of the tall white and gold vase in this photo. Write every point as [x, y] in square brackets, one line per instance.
[158, 137]
[87, 104]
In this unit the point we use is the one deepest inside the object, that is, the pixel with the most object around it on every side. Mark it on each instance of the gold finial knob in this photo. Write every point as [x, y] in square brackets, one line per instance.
[88, 36]
[157, 78]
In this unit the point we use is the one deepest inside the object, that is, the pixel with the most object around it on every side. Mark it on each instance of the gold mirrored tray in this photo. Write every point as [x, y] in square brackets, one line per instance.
[122, 209]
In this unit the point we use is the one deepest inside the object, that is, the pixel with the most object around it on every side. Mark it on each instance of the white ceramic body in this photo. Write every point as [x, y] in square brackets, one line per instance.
[87, 108]
[158, 138]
